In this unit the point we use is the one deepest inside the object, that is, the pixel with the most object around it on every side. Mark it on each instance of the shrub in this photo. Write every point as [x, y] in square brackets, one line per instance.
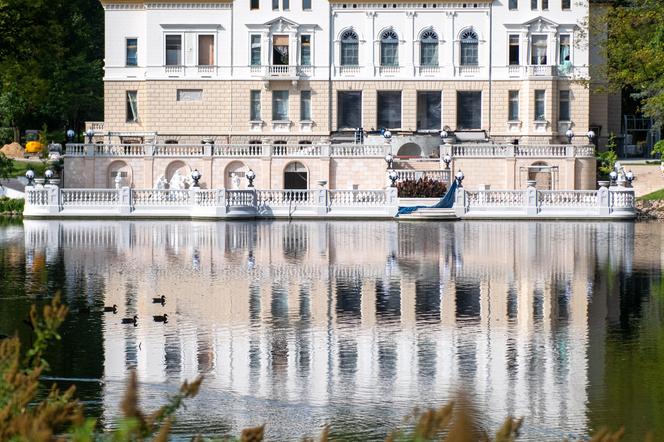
[6, 135]
[422, 188]
[8, 205]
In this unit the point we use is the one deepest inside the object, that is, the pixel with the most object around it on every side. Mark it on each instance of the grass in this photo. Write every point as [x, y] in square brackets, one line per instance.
[20, 167]
[8, 205]
[653, 196]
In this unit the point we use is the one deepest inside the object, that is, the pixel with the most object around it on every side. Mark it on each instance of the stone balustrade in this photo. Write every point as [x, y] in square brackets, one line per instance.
[443, 176]
[613, 203]
[51, 201]
[491, 150]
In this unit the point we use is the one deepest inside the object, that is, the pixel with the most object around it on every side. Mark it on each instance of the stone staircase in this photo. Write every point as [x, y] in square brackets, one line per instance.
[430, 214]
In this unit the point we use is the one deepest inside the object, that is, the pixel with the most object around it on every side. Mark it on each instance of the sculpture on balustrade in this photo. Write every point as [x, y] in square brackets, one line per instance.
[178, 181]
[161, 183]
[235, 181]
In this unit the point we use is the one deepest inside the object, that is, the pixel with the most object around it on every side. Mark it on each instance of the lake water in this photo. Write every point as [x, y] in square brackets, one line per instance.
[301, 324]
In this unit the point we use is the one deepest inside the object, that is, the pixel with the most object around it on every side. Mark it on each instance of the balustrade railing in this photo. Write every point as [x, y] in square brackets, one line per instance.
[241, 198]
[75, 150]
[414, 175]
[567, 198]
[622, 199]
[36, 197]
[519, 150]
[119, 150]
[290, 150]
[238, 150]
[495, 198]
[358, 198]
[276, 198]
[179, 150]
[88, 197]
[357, 150]
[160, 197]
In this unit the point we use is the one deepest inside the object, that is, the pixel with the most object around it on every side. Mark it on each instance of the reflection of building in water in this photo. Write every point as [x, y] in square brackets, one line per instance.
[359, 313]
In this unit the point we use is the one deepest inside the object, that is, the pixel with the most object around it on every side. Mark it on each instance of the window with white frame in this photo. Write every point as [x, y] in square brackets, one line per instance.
[540, 113]
[205, 50]
[428, 110]
[565, 49]
[255, 105]
[429, 49]
[389, 109]
[255, 50]
[566, 5]
[469, 48]
[189, 95]
[255, 4]
[132, 52]
[513, 5]
[275, 5]
[132, 106]
[285, 4]
[389, 48]
[564, 106]
[539, 4]
[305, 50]
[349, 49]
[305, 105]
[513, 106]
[306, 5]
[538, 49]
[173, 50]
[280, 105]
[349, 109]
[514, 50]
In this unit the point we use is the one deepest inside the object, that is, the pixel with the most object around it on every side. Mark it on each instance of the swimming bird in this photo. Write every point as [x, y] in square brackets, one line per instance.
[161, 318]
[133, 320]
[161, 300]
[112, 309]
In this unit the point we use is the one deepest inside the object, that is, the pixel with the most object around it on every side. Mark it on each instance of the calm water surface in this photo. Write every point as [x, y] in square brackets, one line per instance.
[301, 324]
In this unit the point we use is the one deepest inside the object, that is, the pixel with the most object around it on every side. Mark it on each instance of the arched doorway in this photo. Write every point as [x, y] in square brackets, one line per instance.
[296, 176]
[541, 173]
[409, 150]
[234, 175]
[122, 169]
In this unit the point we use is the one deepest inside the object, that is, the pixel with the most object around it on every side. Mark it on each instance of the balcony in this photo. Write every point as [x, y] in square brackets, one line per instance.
[467, 71]
[542, 71]
[279, 72]
[389, 70]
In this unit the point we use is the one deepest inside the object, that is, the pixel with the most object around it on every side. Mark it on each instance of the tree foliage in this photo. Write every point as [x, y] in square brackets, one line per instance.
[635, 52]
[51, 55]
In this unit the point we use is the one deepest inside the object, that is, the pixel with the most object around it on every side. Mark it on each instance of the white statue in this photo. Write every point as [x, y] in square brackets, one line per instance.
[235, 181]
[177, 181]
[161, 182]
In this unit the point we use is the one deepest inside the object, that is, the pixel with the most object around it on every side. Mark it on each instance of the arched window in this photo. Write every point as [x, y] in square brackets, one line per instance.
[429, 49]
[389, 49]
[469, 43]
[349, 49]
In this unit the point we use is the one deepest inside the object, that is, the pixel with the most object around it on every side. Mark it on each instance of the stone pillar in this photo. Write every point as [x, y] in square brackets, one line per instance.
[53, 199]
[604, 201]
[321, 202]
[124, 200]
[460, 202]
[531, 200]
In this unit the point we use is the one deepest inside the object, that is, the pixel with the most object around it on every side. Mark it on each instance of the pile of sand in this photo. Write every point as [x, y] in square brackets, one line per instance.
[12, 150]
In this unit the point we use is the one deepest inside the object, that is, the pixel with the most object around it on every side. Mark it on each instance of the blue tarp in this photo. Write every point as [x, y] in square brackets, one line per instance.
[446, 202]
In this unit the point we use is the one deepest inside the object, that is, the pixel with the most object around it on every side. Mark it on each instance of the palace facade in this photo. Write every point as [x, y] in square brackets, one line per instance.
[261, 82]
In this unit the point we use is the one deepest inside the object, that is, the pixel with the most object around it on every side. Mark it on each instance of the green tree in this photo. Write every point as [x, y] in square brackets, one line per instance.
[635, 52]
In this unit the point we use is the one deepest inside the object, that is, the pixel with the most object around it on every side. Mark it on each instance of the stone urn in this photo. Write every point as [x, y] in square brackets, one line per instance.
[531, 183]
[322, 183]
[450, 139]
[603, 183]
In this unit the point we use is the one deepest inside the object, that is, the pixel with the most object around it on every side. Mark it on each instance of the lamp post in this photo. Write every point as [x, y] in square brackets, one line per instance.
[629, 176]
[569, 134]
[591, 136]
[447, 159]
[614, 177]
[393, 176]
[459, 177]
[48, 174]
[70, 135]
[251, 176]
[90, 133]
[389, 159]
[196, 176]
[30, 175]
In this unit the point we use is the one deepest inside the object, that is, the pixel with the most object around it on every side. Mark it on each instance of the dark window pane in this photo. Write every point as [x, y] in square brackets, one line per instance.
[428, 110]
[389, 109]
[469, 110]
[349, 104]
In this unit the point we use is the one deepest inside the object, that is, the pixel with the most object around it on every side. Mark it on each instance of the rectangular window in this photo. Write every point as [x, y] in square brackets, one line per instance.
[305, 105]
[514, 50]
[513, 5]
[305, 50]
[306, 5]
[538, 50]
[349, 106]
[545, 5]
[539, 105]
[280, 48]
[173, 50]
[429, 53]
[255, 4]
[533, 5]
[206, 50]
[564, 107]
[132, 106]
[389, 109]
[255, 50]
[190, 94]
[286, 5]
[513, 106]
[428, 110]
[566, 5]
[132, 52]
[275, 5]
[469, 109]
[255, 106]
[280, 105]
[565, 46]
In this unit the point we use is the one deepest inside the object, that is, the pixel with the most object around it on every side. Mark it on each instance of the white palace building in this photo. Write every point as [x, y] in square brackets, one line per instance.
[282, 87]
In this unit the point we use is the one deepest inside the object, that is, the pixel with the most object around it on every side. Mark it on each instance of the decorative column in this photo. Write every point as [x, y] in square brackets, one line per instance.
[410, 15]
[371, 37]
[451, 33]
